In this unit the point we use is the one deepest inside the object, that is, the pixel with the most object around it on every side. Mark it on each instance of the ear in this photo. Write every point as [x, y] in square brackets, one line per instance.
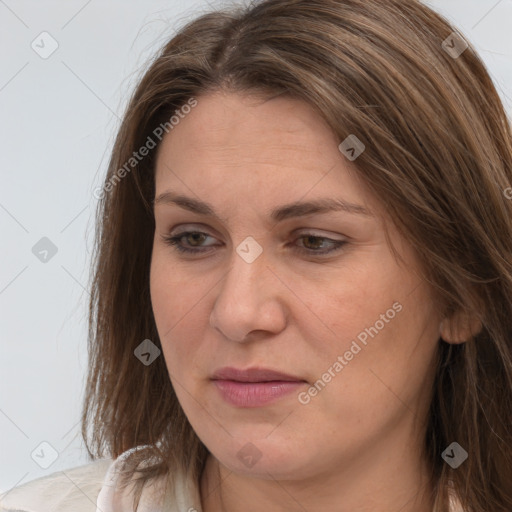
[462, 326]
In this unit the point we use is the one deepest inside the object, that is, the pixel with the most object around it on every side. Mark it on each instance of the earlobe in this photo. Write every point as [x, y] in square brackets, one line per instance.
[460, 327]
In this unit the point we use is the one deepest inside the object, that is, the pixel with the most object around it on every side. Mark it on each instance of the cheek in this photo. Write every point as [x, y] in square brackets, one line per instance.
[172, 295]
[347, 303]
[177, 306]
[391, 371]
[381, 322]
[385, 382]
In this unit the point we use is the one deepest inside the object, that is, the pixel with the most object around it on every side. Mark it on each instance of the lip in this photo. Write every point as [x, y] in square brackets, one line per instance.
[254, 387]
[254, 375]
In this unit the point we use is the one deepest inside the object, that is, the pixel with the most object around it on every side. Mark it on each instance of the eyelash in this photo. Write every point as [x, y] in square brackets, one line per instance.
[174, 241]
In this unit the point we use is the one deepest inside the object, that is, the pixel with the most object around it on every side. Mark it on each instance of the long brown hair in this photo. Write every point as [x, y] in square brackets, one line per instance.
[438, 155]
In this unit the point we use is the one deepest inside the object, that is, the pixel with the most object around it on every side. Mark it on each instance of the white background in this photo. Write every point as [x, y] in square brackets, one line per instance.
[58, 119]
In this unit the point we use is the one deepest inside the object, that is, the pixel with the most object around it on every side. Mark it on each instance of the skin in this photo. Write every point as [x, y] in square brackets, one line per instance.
[355, 446]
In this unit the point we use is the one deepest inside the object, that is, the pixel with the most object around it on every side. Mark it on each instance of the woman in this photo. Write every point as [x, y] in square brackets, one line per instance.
[303, 281]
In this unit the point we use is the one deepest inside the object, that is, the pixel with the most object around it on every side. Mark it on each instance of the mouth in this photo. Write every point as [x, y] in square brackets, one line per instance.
[254, 375]
[254, 387]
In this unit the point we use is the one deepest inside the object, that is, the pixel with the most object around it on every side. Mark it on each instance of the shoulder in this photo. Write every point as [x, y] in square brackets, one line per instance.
[94, 487]
[74, 489]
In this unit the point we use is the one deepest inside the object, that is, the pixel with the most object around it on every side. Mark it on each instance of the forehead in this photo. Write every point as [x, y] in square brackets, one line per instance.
[227, 123]
[278, 141]
[259, 153]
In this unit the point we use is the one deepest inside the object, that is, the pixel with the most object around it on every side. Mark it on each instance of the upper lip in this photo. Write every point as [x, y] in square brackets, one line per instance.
[253, 375]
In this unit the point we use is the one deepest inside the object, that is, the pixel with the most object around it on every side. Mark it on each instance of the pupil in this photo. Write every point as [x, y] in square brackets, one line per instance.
[314, 238]
[196, 237]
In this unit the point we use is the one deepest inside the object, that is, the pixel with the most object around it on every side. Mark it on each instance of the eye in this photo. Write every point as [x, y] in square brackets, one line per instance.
[195, 237]
[318, 245]
[313, 244]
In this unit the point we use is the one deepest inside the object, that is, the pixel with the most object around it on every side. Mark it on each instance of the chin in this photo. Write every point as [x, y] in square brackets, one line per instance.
[266, 460]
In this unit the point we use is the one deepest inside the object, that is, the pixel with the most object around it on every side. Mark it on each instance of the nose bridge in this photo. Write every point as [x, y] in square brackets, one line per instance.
[247, 298]
[244, 284]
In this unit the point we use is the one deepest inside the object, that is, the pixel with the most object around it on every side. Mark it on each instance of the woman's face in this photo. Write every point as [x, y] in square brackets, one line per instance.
[313, 293]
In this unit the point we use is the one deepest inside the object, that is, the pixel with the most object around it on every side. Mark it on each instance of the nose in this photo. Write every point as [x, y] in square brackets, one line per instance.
[250, 300]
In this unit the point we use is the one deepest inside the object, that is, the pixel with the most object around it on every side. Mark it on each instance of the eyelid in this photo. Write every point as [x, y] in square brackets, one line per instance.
[194, 228]
[318, 233]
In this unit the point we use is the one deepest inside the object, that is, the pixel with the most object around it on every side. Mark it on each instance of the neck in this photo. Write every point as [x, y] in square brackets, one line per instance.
[376, 484]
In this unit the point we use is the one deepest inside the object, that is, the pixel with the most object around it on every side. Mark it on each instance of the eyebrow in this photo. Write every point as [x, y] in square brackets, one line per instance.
[287, 211]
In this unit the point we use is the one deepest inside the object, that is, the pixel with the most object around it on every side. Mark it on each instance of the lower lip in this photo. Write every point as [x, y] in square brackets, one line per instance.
[255, 394]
